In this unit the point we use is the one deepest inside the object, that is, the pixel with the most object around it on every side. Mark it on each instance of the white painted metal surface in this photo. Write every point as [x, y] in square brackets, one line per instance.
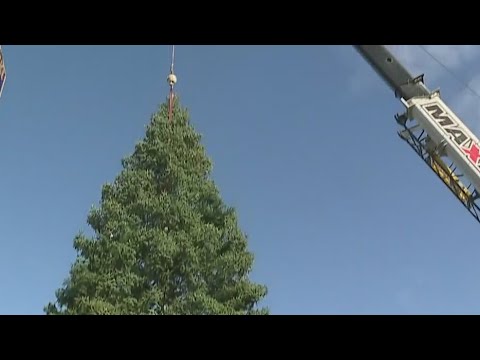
[449, 133]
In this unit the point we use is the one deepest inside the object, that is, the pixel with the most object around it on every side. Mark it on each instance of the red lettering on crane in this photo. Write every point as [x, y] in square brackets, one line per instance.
[473, 153]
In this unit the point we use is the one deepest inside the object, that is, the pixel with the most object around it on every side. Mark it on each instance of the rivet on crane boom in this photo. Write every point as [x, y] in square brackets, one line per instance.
[431, 128]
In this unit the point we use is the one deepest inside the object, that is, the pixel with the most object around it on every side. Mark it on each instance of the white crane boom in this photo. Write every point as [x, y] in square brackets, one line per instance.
[431, 128]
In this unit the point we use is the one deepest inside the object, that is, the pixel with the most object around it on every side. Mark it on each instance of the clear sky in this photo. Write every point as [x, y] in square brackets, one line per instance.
[342, 216]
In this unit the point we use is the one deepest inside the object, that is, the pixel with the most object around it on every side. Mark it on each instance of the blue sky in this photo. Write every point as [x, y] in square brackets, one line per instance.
[342, 216]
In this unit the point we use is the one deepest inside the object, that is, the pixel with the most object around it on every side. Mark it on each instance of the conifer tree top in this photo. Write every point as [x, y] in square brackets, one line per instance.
[165, 243]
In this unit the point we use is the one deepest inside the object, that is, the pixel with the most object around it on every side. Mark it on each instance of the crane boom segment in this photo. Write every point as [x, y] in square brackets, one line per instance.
[393, 72]
[437, 133]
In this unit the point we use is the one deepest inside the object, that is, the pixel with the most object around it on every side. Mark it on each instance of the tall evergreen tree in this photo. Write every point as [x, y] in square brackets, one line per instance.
[164, 242]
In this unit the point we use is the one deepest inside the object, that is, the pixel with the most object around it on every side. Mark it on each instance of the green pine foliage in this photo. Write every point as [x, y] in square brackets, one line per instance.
[164, 242]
